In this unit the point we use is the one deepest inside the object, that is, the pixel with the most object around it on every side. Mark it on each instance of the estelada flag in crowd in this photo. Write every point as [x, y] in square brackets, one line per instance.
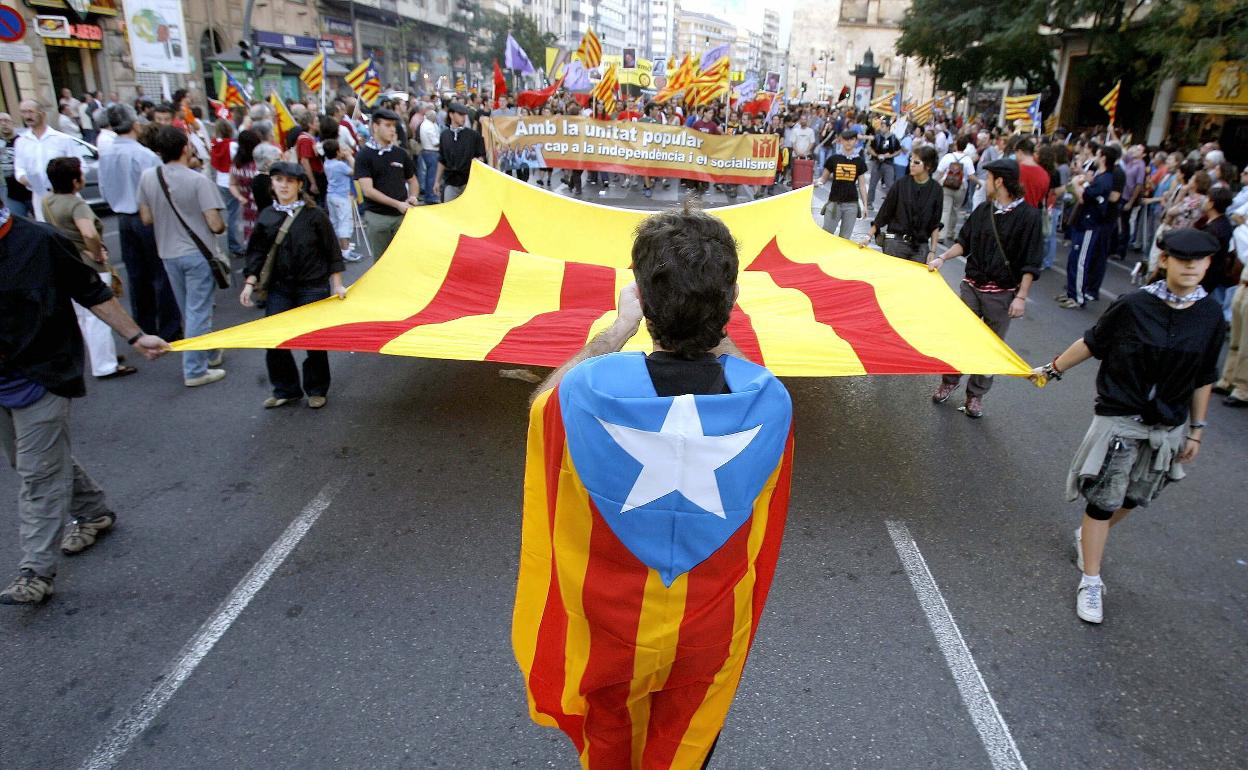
[314, 73]
[232, 93]
[605, 90]
[283, 121]
[884, 104]
[502, 274]
[1020, 107]
[365, 81]
[651, 532]
[922, 114]
[1110, 102]
[590, 49]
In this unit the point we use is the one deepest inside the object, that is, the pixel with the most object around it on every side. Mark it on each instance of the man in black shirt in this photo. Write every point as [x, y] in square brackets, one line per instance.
[847, 198]
[883, 148]
[910, 214]
[1004, 248]
[387, 176]
[41, 369]
[457, 148]
[1159, 349]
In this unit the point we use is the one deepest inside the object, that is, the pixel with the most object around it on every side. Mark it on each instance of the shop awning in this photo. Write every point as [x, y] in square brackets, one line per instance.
[301, 60]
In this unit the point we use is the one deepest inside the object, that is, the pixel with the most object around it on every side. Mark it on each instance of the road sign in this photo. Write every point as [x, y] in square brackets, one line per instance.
[16, 52]
[12, 25]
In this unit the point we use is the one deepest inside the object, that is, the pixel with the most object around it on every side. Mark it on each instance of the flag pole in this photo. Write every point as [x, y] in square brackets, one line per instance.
[324, 77]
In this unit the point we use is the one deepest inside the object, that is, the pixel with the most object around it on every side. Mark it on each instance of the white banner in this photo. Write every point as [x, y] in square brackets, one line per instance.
[157, 35]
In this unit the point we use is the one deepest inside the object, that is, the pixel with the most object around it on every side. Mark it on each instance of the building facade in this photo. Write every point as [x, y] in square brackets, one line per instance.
[829, 39]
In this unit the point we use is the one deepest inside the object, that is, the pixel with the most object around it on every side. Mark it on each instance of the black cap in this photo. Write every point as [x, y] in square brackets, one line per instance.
[849, 133]
[459, 108]
[1190, 243]
[287, 168]
[1002, 168]
[384, 114]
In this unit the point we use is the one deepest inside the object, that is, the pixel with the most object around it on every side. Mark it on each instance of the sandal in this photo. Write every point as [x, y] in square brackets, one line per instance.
[121, 371]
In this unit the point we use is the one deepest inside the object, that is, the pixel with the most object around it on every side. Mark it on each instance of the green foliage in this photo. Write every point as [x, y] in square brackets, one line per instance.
[1187, 36]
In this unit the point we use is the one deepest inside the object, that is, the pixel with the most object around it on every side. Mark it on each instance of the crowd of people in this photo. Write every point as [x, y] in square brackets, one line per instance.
[290, 206]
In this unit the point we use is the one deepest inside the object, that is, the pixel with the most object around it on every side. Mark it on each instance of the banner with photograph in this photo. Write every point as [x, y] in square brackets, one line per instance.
[157, 35]
[653, 149]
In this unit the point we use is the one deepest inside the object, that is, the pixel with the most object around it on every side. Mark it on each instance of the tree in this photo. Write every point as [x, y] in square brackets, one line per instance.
[1188, 36]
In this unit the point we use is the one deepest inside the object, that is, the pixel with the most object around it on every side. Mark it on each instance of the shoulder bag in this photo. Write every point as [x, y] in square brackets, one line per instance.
[260, 293]
[219, 264]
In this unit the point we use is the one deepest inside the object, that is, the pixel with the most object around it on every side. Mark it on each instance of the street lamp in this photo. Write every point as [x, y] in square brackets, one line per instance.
[827, 57]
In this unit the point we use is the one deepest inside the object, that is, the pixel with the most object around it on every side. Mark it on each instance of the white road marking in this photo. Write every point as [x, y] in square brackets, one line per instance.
[140, 716]
[992, 729]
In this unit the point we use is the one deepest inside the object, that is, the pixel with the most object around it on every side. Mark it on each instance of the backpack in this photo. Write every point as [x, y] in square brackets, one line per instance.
[953, 174]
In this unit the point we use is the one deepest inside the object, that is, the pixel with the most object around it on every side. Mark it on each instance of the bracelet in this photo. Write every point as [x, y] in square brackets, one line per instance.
[1060, 372]
[135, 338]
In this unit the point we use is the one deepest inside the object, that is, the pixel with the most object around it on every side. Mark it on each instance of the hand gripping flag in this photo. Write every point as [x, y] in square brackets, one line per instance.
[502, 274]
[590, 49]
[515, 58]
[365, 81]
[1110, 102]
[314, 73]
[651, 530]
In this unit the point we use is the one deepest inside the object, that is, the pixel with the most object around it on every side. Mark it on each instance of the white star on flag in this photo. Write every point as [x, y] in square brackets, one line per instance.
[679, 458]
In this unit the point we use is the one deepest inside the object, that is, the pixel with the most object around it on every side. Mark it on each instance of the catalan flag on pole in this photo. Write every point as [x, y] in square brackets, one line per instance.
[232, 93]
[1110, 102]
[709, 84]
[488, 277]
[640, 590]
[605, 90]
[365, 81]
[590, 49]
[922, 115]
[283, 121]
[884, 104]
[1019, 107]
[678, 80]
[314, 73]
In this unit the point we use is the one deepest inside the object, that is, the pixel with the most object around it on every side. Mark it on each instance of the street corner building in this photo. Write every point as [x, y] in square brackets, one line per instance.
[512, 273]
[651, 531]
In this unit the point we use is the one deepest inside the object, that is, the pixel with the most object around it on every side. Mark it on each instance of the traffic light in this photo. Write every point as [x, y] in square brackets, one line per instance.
[244, 50]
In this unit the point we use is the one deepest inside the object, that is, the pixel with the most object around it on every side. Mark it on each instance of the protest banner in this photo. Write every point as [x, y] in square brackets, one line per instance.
[653, 149]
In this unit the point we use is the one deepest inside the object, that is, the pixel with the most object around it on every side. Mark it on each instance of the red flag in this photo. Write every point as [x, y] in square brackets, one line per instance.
[844, 94]
[219, 109]
[534, 100]
[500, 84]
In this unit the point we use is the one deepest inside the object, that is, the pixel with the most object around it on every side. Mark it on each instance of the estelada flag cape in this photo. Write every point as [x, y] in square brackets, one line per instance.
[512, 273]
[651, 531]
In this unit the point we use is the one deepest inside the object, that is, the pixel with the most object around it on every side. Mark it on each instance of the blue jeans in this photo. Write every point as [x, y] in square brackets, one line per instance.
[1050, 240]
[283, 374]
[428, 175]
[193, 285]
[231, 220]
[20, 208]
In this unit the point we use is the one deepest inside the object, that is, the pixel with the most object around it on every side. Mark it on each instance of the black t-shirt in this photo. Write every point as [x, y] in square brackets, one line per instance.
[885, 143]
[676, 376]
[1020, 232]
[456, 149]
[40, 272]
[911, 210]
[1222, 229]
[292, 135]
[1153, 356]
[844, 173]
[389, 169]
[1119, 184]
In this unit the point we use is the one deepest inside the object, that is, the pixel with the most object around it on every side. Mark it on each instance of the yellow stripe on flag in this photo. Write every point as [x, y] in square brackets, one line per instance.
[314, 73]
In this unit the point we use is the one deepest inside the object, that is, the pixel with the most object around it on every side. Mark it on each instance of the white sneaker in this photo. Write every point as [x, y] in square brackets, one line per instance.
[1090, 602]
[1079, 548]
[352, 256]
[217, 358]
[208, 377]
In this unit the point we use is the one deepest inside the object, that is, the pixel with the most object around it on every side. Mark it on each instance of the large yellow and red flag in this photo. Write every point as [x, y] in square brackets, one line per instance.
[590, 49]
[505, 272]
[604, 91]
[678, 80]
[283, 121]
[313, 74]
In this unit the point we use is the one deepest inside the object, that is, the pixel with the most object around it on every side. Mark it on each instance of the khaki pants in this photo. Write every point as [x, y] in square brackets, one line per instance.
[54, 487]
[380, 229]
[1235, 371]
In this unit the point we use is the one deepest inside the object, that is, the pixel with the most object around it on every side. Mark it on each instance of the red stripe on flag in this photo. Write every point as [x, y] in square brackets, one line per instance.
[473, 285]
[614, 588]
[851, 309]
[741, 330]
[551, 338]
[769, 552]
[704, 646]
[548, 674]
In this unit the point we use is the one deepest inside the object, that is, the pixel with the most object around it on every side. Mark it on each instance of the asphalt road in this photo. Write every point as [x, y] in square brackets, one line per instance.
[382, 641]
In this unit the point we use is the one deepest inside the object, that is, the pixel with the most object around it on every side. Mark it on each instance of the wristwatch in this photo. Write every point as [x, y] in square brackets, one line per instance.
[135, 338]
[1197, 424]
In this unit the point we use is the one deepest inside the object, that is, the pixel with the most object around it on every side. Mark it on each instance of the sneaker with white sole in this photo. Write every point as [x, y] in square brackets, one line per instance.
[943, 393]
[28, 588]
[1090, 602]
[217, 358]
[1079, 548]
[82, 533]
[208, 377]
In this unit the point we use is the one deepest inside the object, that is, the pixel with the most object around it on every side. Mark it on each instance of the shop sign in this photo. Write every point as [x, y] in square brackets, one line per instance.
[82, 8]
[1224, 91]
[52, 26]
[16, 52]
[343, 45]
[58, 31]
[337, 26]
